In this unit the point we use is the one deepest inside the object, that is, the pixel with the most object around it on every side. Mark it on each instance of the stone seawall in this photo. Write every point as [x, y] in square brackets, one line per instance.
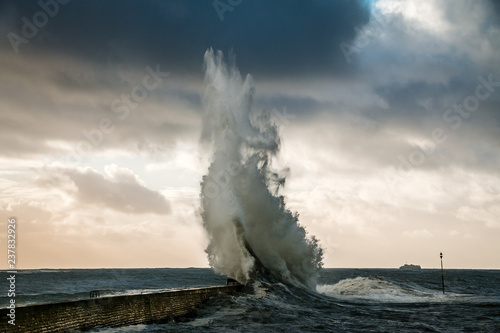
[109, 311]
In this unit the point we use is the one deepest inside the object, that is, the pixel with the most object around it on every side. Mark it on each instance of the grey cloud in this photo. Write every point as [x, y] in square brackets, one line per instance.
[50, 100]
[421, 73]
[351, 143]
[120, 190]
[405, 59]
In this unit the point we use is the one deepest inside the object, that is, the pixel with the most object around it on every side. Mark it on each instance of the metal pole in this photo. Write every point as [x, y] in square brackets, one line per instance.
[442, 274]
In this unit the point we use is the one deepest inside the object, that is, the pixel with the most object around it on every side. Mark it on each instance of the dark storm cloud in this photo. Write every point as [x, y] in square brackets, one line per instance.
[64, 79]
[402, 81]
[47, 101]
[496, 9]
[269, 37]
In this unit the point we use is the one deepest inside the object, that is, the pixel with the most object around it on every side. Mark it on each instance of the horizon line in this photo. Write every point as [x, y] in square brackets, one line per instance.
[205, 267]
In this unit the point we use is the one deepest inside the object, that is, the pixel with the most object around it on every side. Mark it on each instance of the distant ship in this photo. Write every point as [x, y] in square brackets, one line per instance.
[410, 266]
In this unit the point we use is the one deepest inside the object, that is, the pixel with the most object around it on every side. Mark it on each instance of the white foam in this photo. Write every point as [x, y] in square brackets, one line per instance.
[240, 205]
[378, 290]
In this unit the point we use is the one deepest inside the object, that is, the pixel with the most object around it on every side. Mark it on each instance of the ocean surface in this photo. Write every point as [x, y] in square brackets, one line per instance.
[345, 300]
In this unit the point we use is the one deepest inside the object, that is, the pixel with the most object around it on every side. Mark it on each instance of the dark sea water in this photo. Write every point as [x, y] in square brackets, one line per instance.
[346, 300]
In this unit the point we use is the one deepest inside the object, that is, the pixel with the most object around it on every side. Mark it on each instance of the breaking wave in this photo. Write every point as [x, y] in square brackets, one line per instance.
[249, 227]
[376, 289]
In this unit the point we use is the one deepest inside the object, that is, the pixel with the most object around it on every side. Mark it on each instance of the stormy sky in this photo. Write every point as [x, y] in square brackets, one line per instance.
[389, 113]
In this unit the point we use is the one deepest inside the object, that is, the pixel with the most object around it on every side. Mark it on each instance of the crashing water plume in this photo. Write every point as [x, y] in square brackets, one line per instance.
[246, 219]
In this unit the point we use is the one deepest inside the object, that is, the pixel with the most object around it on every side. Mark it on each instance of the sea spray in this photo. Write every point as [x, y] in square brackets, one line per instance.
[246, 219]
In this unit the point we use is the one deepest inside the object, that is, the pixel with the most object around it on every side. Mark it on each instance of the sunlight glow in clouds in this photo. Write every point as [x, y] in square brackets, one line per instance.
[428, 15]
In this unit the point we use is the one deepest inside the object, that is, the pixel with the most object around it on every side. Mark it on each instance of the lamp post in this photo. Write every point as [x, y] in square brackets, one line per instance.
[442, 274]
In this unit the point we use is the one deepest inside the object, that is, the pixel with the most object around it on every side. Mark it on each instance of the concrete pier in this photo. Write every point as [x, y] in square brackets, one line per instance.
[109, 311]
